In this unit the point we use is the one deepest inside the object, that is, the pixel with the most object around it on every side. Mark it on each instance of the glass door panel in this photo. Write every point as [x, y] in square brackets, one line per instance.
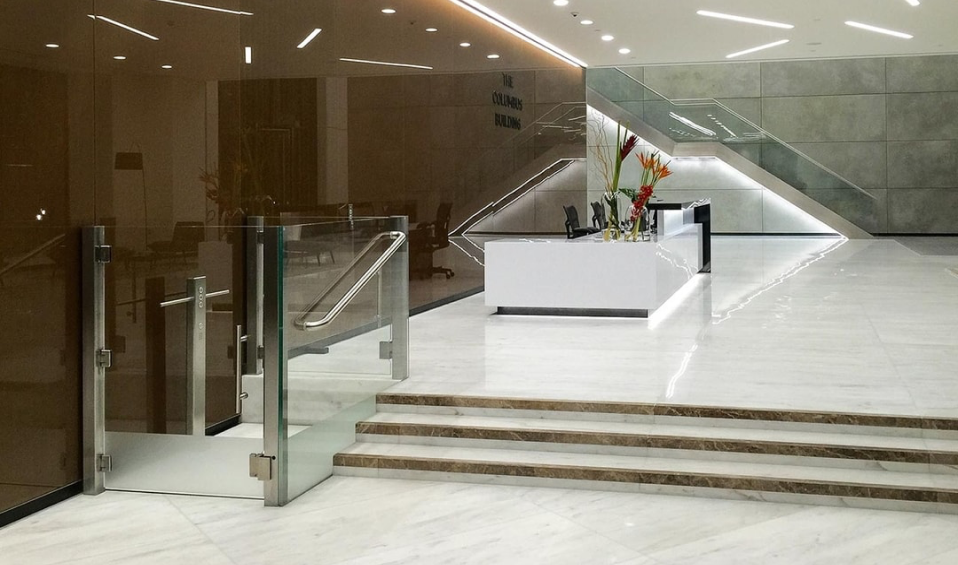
[173, 413]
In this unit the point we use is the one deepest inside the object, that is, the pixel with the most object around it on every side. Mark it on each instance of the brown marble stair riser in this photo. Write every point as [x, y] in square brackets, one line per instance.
[608, 474]
[677, 410]
[657, 442]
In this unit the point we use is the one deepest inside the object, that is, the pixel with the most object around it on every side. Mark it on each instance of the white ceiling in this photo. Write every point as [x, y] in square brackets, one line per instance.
[669, 31]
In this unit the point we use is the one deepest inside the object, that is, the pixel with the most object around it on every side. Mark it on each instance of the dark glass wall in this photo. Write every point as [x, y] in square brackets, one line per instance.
[178, 124]
[46, 192]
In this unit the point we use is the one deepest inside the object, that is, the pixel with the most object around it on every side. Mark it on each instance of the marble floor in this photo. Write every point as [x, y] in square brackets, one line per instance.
[782, 322]
[352, 521]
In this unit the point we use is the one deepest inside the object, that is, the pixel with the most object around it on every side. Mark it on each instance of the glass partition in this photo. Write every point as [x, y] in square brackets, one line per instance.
[175, 320]
[341, 291]
[707, 120]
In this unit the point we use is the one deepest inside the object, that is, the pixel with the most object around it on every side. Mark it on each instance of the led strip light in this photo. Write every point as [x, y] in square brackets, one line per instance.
[516, 30]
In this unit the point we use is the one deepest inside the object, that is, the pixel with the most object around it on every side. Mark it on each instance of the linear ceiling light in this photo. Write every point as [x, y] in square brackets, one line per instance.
[754, 49]
[743, 19]
[500, 21]
[124, 26]
[204, 7]
[368, 62]
[312, 35]
[879, 30]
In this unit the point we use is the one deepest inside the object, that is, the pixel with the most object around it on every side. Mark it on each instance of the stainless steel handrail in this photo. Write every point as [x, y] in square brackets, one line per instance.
[33, 253]
[302, 323]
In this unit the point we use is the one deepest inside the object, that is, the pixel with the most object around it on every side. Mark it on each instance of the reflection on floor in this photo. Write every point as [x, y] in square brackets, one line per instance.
[255, 431]
[351, 521]
[465, 257]
[941, 246]
[802, 323]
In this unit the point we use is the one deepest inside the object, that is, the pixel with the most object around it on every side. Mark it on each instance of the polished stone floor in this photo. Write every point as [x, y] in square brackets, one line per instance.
[352, 521]
[785, 323]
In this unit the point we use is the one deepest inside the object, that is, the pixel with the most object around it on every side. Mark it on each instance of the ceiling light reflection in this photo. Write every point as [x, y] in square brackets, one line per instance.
[386, 63]
[312, 35]
[124, 26]
[205, 7]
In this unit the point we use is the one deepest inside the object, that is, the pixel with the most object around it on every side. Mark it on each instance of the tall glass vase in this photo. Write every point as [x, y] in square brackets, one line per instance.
[612, 230]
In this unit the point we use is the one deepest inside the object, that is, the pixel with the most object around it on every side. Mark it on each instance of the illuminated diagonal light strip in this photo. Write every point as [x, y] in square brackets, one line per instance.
[367, 62]
[491, 207]
[204, 7]
[309, 38]
[516, 30]
[877, 29]
[124, 26]
[743, 19]
[754, 49]
[691, 124]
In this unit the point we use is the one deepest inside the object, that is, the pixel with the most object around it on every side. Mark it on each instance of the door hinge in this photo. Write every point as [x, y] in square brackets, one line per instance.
[104, 463]
[260, 352]
[261, 466]
[104, 358]
[385, 350]
[260, 237]
[103, 253]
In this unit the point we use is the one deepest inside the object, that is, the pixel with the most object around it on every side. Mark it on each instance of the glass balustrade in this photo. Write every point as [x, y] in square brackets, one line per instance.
[707, 120]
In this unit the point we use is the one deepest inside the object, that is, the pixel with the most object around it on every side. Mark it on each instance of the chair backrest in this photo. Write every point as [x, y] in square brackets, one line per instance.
[571, 220]
[443, 217]
[598, 216]
[188, 235]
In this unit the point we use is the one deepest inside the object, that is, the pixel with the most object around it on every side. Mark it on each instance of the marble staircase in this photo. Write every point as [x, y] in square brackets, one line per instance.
[863, 460]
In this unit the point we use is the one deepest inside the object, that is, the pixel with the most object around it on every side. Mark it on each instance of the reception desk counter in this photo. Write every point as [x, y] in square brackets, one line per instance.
[591, 277]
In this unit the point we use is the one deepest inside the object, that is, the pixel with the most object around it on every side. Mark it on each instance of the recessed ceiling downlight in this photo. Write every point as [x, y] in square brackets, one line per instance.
[492, 56]
[388, 11]
[119, 57]
[167, 67]
[561, 2]
[465, 44]
[586, 22]
[607, 37]
[432, 29]
[625, 50]
[914, 2]
[52, 46]
[877, 29]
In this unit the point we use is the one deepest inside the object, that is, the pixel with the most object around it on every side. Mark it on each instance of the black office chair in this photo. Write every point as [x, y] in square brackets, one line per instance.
[426, 239]
[599, 220]
[572, 228]
[185, 242]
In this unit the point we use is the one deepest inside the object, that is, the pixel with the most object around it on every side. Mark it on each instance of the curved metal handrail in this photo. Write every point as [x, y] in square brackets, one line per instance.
[303, 324]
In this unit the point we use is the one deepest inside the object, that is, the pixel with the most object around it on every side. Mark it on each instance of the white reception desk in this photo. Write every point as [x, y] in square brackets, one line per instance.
[591, 277]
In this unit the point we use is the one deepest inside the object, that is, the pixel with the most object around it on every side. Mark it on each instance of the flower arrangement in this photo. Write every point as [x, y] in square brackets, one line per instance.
[652, 172]
[610, 167]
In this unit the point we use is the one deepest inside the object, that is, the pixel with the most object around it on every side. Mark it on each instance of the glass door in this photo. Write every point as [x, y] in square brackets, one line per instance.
[173, 398]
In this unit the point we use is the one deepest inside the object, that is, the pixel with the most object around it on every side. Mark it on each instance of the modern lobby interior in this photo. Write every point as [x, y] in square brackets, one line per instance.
[795, 403]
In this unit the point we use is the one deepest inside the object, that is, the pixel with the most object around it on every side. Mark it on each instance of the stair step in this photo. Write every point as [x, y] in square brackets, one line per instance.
[390, 400]
[539, 432]
[852, 486]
